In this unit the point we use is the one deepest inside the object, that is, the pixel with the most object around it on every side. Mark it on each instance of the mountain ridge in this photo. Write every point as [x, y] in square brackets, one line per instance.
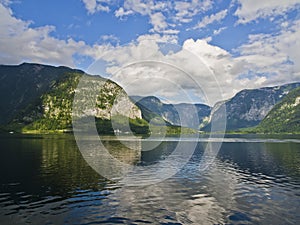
[45, 103]
[250, 106]
[41, 96]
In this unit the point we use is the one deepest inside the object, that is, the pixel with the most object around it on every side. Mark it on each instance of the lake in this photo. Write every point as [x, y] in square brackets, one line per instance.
[44, 179]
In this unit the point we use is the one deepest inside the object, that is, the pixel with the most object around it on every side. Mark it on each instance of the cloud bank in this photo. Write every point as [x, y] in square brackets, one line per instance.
[197, 66]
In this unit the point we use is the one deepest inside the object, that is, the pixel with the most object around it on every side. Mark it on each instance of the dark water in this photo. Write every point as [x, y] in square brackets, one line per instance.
[45, 180]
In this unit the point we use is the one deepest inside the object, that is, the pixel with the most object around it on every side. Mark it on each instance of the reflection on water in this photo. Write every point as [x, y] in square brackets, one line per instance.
[129, 154]
[45, 180]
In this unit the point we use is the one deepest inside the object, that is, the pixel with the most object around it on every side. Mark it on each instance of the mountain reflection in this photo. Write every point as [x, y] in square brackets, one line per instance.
[248, 182]
[63, 169]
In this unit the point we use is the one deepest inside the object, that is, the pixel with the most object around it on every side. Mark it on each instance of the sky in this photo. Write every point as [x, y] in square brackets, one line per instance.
[181, 51]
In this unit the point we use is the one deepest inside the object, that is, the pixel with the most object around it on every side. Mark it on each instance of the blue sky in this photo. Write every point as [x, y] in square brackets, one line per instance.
[241, 43]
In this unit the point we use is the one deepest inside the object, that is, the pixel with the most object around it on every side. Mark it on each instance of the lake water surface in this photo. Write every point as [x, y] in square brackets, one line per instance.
[253, 180]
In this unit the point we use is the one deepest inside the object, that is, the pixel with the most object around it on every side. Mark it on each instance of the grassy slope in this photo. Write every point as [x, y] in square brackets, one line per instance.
[284, 117]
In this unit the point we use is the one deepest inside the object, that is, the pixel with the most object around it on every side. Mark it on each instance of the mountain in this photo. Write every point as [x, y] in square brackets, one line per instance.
[158, 112]
[40, 97]
[249, 107]
[284, 117]
[23, 83]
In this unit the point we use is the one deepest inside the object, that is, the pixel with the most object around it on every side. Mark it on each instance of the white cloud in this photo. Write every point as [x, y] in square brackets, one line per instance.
[186, 10]
[211, 19]
[139, 6]
[102, 8]
[165, 15]
[93, 6]
[121, 12]
[170, 32]
[19, 42]
[218, 31]
[254, 9]
[278, 56]
[143, 69]
[166, 38]
[90, 5]
[152, 9]
[110, 38]
[158, 22]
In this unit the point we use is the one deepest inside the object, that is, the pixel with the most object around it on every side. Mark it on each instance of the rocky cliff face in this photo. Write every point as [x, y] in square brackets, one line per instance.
[112, 100]
[103, 99]
[46, 101]
[249, 107]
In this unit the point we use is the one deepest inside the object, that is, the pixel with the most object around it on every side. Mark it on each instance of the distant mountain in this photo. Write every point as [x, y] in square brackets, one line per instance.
[40, 97]
[284, 117]
[153, 109]
[249, 107]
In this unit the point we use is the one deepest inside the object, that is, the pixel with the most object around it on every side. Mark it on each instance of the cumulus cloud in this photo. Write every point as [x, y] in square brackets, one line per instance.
[90, 5]
[211, 19]
[197, 68]
[19, 42]
[154, 63]
[143, 67]
[276, 56]
[93, 6]
[252, 10]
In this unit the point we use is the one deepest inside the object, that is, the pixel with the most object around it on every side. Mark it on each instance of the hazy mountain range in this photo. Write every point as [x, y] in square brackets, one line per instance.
[174, 114]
